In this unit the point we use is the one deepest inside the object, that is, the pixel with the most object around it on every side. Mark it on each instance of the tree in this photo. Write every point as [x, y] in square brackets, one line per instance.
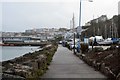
[119, 26]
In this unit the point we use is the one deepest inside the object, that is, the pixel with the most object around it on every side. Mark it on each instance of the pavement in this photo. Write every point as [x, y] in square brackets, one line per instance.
[66, 65]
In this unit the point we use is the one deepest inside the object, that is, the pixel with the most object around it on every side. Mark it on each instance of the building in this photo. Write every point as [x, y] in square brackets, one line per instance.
[88, 24]
[102, 18]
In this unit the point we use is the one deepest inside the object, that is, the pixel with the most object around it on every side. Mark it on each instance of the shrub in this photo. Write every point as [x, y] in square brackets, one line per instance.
[68, 46]
[113, 47]
[98, 49]
[84, 47]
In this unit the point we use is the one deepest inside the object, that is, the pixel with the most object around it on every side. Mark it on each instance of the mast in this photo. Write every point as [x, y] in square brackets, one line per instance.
[73, 20]
[70, 24]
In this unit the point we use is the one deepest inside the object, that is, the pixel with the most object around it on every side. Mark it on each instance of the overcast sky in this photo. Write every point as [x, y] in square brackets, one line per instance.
[19, 15]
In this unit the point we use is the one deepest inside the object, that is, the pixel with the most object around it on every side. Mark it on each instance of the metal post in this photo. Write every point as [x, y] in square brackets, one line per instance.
[74, 33]
[80, 23]
[80, 15]
[74, 44]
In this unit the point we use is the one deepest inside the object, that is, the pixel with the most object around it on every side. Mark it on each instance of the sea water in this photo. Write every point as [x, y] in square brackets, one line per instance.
[10, 52]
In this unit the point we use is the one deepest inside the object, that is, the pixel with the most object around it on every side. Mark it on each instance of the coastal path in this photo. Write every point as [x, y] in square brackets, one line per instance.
[66, 65]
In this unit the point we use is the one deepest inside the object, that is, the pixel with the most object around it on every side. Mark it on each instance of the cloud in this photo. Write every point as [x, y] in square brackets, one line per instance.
[19, 15]
[39, 0]
[42, 14]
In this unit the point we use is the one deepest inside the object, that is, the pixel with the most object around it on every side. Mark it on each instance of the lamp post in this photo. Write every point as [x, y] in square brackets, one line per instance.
[80, 17]
[80, 13]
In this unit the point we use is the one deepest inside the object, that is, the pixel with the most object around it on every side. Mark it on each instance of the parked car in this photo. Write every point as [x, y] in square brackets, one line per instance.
[119, 41]
[115, 40]
[95, 40]
[72, 43]
[60, 42]
[64, 43]
[107, 41]
[72, 46]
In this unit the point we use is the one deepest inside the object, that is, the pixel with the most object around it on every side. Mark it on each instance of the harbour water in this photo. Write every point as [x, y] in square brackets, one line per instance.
[9, 52]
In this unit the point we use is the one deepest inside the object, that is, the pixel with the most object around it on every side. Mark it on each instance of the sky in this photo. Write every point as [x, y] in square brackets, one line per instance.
[19, 15]
[119, 7]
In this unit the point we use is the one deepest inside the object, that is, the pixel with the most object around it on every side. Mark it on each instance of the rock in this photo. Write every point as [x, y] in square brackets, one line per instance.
[118, 77]
[107, 71]
[8, 76]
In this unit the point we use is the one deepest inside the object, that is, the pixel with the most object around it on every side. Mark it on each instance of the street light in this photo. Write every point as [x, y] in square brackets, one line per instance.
[90, 0]
[80, 15]
[80, 27]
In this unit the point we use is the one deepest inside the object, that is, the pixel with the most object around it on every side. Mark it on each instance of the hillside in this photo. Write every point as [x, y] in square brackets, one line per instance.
[103, 26]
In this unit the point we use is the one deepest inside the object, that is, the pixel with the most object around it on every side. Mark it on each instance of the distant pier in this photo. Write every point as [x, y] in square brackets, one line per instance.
[24, 44]
[21, 41]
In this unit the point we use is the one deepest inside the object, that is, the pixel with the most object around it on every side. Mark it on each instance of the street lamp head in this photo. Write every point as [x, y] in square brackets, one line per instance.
[90, 0]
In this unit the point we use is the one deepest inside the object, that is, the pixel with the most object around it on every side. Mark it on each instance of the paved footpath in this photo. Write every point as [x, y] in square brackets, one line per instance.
[66, 65]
